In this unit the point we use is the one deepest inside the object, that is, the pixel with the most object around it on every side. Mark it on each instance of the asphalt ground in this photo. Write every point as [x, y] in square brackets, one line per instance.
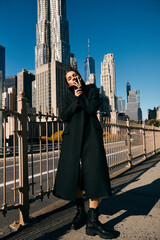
[133, 210]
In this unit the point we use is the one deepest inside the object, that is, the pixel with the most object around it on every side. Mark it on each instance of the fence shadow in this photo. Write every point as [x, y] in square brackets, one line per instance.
[135, 202]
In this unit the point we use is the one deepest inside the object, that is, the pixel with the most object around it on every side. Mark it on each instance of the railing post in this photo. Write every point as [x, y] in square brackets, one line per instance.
[144, 140]
[23, 161]
[154, 140]
[129, 143]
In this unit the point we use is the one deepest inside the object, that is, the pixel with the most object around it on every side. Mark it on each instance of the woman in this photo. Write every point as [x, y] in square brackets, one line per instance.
[82, 164]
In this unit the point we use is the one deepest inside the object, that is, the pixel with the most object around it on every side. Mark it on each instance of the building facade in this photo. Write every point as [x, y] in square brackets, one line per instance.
[120, 105]
[128, 88]
[2, 63]
[133, 111]
[9, 99]
[108, 81]
[11, 81]
[158, 113]
[34, 94]
[50, 87]
[73, 62]
[138, 96]
[24, 84]
[89, 65]
[92, 78]
[52, 33]
[52, 55]
[152, 114]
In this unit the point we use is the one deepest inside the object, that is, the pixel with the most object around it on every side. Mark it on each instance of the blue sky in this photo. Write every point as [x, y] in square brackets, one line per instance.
[130, 29]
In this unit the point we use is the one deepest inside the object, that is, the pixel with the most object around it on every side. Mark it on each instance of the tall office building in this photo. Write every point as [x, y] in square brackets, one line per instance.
[73, 62]
[11, 81]
[34, 94]
[152, 114]
[128, 88]
[108, 81]
[92, 78]
[133, 110]
[50, 87]
[2, 63]
[89, 65]
[1, 82]
[9, 99]
[52, 55]
[120, 105]
[158, 113]
[52, 33]
[138, 96]
[24, 84]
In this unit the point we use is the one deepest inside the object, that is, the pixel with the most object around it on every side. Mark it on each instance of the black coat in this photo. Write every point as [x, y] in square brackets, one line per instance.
[82, 139]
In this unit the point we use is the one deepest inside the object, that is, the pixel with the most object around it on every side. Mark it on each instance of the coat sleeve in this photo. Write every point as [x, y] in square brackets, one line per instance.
[68, 109]
[92, 104]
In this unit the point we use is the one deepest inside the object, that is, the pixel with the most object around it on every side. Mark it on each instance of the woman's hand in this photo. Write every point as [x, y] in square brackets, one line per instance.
[78, 92]
[77, 83]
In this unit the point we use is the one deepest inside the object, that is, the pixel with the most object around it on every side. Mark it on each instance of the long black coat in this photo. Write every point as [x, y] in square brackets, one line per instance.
[82, 139]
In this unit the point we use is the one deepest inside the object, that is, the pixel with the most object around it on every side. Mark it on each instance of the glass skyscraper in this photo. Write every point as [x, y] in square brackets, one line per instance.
[128, 88]
[89, 65]
[133, 109]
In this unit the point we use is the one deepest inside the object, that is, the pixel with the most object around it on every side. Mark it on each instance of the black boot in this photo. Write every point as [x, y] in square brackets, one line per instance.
[95, 227]
[80, 219]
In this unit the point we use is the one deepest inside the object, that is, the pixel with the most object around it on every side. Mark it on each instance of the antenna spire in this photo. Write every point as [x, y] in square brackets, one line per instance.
[88, 49]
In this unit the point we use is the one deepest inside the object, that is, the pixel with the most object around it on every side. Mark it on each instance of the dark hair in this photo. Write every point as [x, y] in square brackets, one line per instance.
[82, 82]
[74, 70]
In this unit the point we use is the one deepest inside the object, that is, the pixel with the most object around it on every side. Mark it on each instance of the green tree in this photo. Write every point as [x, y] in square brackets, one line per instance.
[154, 122]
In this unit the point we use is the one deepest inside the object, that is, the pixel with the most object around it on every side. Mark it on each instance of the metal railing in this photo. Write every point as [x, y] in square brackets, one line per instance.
[29, 172]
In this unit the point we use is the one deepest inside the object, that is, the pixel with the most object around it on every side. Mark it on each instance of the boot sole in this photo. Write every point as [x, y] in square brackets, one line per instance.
[91, 232]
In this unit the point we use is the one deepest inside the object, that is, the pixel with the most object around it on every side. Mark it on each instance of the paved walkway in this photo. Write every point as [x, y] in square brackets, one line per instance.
[134, 211]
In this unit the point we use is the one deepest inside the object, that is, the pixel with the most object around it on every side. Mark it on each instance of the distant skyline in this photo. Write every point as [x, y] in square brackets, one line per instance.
[128, 29]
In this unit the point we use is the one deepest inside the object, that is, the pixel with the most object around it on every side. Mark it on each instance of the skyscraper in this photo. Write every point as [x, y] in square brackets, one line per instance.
[120, 105]
[138, 96]
[128, 88]
[9, 100]
[11, 81]
[24, 84]
[52, 33]
[2, 62]
[133, 110]
[52, 55]
[108, 81]
[89, 65]
[73, 62]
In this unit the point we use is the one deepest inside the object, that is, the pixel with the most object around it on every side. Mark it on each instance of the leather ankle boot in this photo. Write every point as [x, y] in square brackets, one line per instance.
[95, 227]
[80, 219]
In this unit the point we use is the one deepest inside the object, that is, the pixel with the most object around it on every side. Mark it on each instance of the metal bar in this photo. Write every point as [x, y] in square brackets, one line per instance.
[14, 156]
[144, 141]
[40, 148]
[53, 150]
[58, 139]
[154, 142]
[4, 166]
[47, 152]
[32, 156]
[129, 143]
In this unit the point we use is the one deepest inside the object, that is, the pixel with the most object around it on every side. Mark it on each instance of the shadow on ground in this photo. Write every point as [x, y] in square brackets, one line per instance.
[138, 201]
[135, 202]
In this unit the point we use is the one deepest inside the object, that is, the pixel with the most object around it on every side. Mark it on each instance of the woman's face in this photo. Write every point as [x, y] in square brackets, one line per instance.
[72, 77]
